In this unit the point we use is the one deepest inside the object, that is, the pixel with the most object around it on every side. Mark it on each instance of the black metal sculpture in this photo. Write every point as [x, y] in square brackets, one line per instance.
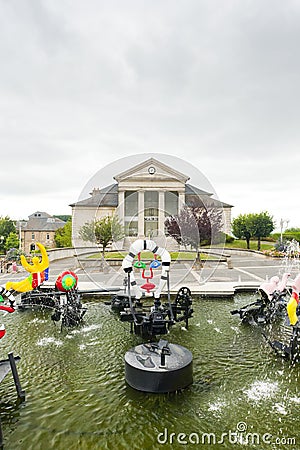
[66, 306]
[273, 306]
[64, 299]
[291, 350]
[153, 366]
[270, 306]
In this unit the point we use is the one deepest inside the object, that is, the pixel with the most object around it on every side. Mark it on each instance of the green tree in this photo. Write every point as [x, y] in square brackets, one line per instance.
[87, 232]
[261, 225]
[257, 225]
[63, 236]
[7, 226]
[13, 254]
[241, 228]
[195, 225]
[102, 231]
[12, 241]
[63, 217]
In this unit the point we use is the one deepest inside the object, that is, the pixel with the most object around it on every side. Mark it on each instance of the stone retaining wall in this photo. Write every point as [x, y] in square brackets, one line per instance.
[70, 252]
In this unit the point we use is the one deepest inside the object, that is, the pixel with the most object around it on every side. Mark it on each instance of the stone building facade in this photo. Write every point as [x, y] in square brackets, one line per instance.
[40, 227]
[142, 197]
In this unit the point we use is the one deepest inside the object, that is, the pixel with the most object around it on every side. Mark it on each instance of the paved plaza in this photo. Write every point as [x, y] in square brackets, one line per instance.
[245, 271]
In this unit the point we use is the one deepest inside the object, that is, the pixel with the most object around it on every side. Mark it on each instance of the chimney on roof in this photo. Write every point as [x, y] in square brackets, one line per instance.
[95, 191]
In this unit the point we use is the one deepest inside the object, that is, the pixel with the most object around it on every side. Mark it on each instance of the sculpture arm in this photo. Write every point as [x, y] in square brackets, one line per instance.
[28, 267]
[45, 260]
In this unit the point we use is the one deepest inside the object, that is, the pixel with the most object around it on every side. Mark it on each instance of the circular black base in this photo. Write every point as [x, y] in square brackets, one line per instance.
[159, 368]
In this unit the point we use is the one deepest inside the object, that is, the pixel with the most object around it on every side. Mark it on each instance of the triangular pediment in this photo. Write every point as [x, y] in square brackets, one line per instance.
[151, 169]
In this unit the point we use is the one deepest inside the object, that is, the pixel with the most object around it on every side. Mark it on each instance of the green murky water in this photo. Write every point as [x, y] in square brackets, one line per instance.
[76, 396]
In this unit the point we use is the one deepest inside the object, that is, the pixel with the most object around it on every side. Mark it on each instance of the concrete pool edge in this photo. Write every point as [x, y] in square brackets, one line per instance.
[209, 289]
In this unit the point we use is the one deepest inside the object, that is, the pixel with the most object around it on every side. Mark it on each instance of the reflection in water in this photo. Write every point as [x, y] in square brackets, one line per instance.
[76, 396]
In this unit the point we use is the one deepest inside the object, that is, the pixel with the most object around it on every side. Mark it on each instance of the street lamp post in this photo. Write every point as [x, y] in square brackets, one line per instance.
[20, 236]
[2, 238]
[20, 233]
[282, 222]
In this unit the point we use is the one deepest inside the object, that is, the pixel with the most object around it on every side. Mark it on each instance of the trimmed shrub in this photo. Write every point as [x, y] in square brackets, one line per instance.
[229, 239]
[287, 236]
[270, 238]
[221, 238]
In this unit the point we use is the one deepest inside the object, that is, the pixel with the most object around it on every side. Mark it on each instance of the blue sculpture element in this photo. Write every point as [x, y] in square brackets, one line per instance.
[155, 264]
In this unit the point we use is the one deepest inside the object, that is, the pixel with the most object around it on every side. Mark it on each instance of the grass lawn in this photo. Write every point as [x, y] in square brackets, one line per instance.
[238, 243]
[149, 255]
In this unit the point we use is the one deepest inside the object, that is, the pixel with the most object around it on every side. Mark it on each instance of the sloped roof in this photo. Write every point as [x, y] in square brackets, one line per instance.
[194, 194]
[193, 190]
[42, 221]
[107, 196]
[40, 214]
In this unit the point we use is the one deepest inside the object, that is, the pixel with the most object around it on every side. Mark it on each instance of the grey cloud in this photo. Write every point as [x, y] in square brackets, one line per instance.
[84, 83]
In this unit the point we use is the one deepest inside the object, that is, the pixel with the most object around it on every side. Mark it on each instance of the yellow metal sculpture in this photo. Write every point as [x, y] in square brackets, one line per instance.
[294, 301]
[38, 270]
[292, 308]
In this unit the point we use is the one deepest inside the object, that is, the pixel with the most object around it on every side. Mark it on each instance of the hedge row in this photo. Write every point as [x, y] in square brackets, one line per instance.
[287, 236]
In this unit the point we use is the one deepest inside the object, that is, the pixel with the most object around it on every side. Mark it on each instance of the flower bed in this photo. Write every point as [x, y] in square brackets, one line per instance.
[274, 253]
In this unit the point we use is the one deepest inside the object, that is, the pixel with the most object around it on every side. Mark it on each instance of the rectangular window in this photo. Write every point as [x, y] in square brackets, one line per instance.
[151, 214]
[171, 203]
[151, 204]
[32, 236]
[131, 213]
[131, 228]
[48, 236]
[131, 204]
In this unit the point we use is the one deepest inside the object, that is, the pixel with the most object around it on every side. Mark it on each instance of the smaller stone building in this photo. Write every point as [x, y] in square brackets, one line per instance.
[40, 227]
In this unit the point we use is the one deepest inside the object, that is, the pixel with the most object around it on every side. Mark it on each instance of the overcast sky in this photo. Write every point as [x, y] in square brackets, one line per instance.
[84, 83]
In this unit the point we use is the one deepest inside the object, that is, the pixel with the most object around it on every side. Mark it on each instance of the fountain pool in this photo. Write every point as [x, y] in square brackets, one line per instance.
[77, 398]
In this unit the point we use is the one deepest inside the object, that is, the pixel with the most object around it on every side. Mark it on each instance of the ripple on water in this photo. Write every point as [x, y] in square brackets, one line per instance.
[280, 409]
[37, 320]
[77, 397]
[217, 407]
[48, 341]
[262, 390]
[86, 329]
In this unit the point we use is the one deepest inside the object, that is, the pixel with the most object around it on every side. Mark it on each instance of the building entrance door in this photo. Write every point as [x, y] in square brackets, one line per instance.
[151, 214]
[151, 227]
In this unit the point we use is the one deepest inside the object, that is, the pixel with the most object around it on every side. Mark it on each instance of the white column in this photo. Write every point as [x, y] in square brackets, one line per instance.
[161, 211]
[121, 207]
[181, 200]
[141, 204]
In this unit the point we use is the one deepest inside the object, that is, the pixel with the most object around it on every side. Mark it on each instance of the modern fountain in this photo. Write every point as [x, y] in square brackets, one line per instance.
[78, 398]
[154, 367]
[291, 259]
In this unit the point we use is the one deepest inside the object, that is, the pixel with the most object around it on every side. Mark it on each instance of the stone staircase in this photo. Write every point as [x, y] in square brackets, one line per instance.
[162, 241]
